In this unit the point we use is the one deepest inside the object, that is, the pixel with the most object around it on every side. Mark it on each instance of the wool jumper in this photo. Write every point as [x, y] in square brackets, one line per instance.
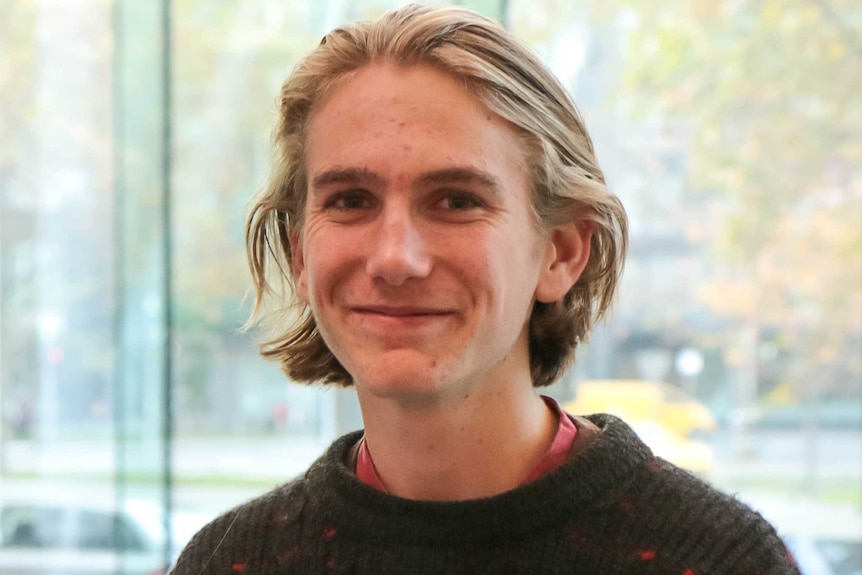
[612, 509]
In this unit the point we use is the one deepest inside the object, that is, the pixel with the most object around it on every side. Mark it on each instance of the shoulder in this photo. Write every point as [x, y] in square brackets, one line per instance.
[712, 524]
[224, 544]
[670, 511]
[263, 535]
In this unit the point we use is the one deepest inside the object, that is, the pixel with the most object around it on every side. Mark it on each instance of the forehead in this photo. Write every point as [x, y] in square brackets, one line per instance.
[416, 115]
[381, 79]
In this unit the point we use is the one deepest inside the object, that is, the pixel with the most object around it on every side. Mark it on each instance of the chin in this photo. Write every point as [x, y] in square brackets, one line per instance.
[400, 385]
[418, 382]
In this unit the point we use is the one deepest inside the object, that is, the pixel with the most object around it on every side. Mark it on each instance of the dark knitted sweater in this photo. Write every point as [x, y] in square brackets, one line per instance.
[612, 509]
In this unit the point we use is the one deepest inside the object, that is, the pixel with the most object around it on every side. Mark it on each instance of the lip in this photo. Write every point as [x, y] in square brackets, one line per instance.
[400, 311]
[387, 318]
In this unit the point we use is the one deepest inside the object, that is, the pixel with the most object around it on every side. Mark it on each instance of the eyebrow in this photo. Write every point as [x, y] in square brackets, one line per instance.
[339, 175]
[456, 175]
[461, 176]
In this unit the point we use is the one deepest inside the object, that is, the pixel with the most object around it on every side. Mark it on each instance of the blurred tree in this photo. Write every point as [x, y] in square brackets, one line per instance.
[230, 59]
[55, 205]
[18, 54]
[770, 97]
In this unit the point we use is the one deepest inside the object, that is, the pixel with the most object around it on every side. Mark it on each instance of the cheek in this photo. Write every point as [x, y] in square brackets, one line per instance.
[500, 268]
[326, 262]
[517, 276]
[307, 278]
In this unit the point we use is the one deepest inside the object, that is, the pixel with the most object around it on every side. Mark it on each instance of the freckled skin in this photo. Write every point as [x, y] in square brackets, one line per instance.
[481, 265]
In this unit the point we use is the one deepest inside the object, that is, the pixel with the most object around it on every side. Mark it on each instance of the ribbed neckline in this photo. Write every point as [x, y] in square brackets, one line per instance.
[606, 468]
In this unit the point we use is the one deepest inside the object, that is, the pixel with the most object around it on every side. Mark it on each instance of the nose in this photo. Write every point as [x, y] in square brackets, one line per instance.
[398, 247]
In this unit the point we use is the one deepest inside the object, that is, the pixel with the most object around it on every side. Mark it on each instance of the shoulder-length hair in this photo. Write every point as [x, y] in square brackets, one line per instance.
[567, 183]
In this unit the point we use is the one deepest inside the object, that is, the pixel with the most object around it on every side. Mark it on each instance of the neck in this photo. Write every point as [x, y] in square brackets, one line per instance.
[466, 447]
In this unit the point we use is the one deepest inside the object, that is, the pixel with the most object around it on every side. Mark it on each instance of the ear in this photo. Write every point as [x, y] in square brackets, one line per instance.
[298, 267]
[567, 252]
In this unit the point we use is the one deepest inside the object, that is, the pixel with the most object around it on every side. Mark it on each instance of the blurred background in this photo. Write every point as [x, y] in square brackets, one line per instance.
[133, 133]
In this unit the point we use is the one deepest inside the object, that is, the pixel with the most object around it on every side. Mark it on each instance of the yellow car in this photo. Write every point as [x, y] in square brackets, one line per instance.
[636, 401]
[662, 415]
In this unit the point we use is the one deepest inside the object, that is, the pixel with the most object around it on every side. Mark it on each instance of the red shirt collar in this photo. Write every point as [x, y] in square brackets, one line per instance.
[556, 455]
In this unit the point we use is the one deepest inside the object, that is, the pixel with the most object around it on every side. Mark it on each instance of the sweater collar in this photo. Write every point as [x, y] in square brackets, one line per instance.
[605, 459]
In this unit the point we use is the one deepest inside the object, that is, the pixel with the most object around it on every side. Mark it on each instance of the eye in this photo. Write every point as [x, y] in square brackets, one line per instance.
[460, 201]
[349, 200]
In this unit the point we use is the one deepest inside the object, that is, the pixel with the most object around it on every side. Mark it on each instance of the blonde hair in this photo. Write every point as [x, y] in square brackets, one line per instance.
[567, 183]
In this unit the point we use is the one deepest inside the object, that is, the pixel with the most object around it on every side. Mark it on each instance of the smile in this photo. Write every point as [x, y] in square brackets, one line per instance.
[388, 318]
[400, 311]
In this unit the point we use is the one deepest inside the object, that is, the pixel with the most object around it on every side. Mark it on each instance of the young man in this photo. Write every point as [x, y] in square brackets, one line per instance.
[438, 212]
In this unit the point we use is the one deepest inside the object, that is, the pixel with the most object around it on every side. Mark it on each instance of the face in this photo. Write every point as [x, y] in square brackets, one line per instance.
[419, 255]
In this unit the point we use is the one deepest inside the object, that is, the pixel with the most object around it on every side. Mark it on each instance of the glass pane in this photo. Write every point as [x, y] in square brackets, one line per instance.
[81, 272]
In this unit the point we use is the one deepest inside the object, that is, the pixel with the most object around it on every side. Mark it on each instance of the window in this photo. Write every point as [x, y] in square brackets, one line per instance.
[727, 128]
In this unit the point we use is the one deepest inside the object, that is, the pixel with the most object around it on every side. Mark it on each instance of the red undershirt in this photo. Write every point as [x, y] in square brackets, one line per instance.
[556, 455]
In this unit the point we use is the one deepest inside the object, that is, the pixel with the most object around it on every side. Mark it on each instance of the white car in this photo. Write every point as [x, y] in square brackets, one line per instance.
[825, 538]
[827, 556]
[39, 538]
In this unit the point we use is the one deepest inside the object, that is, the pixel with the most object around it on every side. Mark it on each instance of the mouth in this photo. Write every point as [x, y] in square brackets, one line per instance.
[401, 311]
[392, 323]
